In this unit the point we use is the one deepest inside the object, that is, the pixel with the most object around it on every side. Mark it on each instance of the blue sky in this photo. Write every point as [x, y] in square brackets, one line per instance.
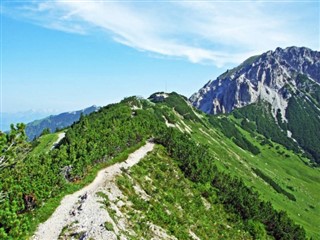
[66, 55]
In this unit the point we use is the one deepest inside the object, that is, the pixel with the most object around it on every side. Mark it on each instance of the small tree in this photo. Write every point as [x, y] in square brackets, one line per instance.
[45, 131]
[13, 148]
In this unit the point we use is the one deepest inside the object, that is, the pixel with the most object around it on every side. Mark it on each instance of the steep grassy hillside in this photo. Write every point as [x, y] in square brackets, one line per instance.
[281, 176]
[161, 195]
[299, 129]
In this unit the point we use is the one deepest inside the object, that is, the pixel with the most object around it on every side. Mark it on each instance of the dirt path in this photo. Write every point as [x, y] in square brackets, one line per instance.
[83, 207]
[60, 137]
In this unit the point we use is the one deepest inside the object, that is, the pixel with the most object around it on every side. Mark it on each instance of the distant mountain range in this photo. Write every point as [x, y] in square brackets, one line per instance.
[8, 118]
[279, 91]
[54, 122]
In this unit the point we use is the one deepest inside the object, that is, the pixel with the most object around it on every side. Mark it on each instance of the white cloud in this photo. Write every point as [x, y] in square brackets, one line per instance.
[202, 32]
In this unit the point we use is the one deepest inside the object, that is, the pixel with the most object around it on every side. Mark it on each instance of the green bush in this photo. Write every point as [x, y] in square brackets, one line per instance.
[108, 226]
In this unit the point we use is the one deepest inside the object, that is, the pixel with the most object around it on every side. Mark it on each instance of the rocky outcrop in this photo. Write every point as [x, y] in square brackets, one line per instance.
[270, 77]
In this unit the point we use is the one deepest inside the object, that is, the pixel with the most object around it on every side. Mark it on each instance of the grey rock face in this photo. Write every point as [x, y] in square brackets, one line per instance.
[259, 77]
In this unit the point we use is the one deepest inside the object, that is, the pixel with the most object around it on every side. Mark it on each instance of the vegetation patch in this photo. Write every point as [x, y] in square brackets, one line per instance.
[273, 184]
[260, 114]
[108, 226]
[230, 130]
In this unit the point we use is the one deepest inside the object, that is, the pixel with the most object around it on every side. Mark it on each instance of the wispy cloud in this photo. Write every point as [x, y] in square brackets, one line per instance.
[203, 32]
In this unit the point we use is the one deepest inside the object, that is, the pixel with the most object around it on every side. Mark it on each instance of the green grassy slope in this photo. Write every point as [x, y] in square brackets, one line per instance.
[291, 173]
[44, 143]
[288, 170]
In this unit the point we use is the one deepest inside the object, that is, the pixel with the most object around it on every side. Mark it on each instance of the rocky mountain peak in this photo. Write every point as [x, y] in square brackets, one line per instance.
[267, 77]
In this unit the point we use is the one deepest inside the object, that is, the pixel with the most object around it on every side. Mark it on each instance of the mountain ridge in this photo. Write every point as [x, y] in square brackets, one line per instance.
[260, 77]
[58, 121]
